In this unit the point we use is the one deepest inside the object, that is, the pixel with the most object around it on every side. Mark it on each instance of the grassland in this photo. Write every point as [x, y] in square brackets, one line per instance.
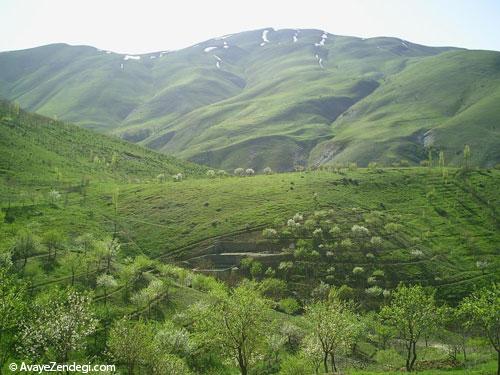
[447, 225]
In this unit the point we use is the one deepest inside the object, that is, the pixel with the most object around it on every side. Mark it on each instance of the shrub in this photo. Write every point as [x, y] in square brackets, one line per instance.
[178, 177]
[270, 233]
[268, 170]
[359, 231]
[249, 172]
[289, 306]
[221, 173]
[358, 270]
[376, 241]
[298, 217]
[211, 173]
[392, 228]
[374, 291]
[160, 178]
[335, 231]
[347, 244]
[309, 224]
[318, 232]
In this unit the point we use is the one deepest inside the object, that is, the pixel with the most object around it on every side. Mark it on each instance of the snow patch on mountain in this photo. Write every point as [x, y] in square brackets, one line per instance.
[219, 61]
[320, 61]
[131, 57]
[296, 36]
[208, 49]
[226, 45]
[264, 38]
[321, 43]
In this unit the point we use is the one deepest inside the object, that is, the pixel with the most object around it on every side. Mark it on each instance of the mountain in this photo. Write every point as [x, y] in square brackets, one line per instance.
[273, 97]
[37, 151]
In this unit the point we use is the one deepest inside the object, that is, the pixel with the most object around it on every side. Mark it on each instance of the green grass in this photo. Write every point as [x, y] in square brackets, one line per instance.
[455, 221]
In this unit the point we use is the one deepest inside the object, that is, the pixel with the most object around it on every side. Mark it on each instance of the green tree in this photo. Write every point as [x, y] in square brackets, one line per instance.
[334, 327]
[106, 282]
[25, 245]
[13, 305]
[130, 343]
[467, 155]
[482, 310]
[53, 240]
[235, 323]
[72, 262]
[413, 314]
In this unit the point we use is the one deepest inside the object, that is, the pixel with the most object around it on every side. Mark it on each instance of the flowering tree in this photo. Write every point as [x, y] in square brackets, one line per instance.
[58, 326]
[106, 282]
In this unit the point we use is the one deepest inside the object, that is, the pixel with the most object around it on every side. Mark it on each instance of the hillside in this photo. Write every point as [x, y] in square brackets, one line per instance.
[83, 214]
[272, 97]
[40, 151]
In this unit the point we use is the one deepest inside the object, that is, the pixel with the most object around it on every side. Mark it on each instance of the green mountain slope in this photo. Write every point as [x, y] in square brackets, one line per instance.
[271, 97]
[36, 150]
[444, 101]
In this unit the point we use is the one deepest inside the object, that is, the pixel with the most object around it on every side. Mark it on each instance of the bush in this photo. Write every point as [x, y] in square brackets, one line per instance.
[249, 172]
[358, 270]
[178, 177]
[270, 233]
[289, 306]
[211, 173]
[268, 170]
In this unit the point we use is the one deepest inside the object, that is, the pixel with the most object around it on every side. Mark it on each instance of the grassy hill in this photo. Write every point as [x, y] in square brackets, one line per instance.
[434, 228]
[271, 97]
[39, 151]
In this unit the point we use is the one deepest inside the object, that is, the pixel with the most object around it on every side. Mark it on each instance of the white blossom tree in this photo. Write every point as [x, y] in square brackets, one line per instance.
[59, 326]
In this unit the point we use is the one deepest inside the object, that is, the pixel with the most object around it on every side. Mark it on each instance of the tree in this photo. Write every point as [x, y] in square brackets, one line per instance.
[72, 261]
[333, 328]
[482, 310]
[413, 314]
[54, 241]
[12, 308]
[146, 296]
[235, 323]
[106, 282]
[25, 245]
[467, 154]
[129, 342]
[108, 250]
[60, 324]
[85, 242]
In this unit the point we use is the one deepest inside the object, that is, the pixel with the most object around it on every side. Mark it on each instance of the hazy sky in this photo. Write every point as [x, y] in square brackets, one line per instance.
[147, 26]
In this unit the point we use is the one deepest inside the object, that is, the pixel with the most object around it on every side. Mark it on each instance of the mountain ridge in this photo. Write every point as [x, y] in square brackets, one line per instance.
[261, 97]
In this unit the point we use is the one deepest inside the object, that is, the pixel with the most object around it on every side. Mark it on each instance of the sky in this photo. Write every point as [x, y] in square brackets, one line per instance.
[147, 26]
